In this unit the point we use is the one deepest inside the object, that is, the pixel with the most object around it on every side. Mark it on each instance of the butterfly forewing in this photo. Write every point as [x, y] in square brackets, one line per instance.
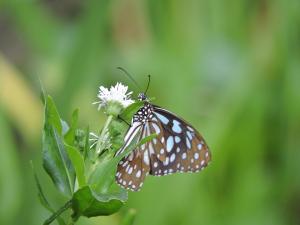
[180, 146]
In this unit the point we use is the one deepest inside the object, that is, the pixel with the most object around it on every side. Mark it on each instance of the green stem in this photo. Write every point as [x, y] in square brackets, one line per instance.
[102, 134]
[58, 212]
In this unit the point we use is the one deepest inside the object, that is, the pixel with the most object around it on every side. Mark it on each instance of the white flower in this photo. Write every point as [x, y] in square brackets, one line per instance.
[116, 94]
[104, 142]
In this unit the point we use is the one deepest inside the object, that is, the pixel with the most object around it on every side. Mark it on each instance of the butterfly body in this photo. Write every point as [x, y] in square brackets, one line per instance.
[178, 147]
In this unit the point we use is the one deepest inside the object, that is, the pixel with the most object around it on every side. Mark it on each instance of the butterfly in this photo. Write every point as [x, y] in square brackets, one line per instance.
[178, 147]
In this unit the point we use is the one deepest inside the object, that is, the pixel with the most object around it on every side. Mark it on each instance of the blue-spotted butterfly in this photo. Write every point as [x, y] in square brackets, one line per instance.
[178, 147]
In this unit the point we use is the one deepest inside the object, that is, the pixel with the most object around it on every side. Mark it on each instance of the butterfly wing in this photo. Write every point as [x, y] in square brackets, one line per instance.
[133, 169]
[178, 148]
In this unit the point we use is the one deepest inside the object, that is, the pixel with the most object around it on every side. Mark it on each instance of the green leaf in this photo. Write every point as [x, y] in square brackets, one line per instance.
[78, 164]
[103, 176]
[70, 135]
[146, 139]
[43, 200]
[128, 112]
[51, 115]
[87, 203]
[55, 159]
[43, 92]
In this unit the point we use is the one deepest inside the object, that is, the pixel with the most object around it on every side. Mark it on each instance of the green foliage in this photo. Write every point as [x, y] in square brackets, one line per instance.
[87, 181]
[70, 135]
[147, 139]
[78, 164]
[86, 203]
[55, 159]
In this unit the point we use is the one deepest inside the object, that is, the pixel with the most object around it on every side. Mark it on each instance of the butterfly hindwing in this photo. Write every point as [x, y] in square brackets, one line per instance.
[133, 169]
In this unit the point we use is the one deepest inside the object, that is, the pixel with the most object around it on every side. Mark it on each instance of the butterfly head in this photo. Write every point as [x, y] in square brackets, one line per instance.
[142, 97]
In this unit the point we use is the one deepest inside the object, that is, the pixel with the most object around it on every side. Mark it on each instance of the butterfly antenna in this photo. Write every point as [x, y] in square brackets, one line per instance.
[148, 83]
[129, 76]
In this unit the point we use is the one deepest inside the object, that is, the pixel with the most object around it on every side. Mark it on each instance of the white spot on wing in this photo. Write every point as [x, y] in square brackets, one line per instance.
[188, 143]
[146, 158]
[189, 134]
[170, 143]
[162, 118]
[206, 154]
[166, 162]
[162, 151]
[202, 162]
[156, 128]
[151, 149]
[199, 146]
[177, 139]
[176, 128]
[130, 170]
[138, 174]
[172, 158]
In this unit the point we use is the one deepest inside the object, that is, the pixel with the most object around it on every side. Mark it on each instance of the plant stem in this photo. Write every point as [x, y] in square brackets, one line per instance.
[58, 212]
[99, 145]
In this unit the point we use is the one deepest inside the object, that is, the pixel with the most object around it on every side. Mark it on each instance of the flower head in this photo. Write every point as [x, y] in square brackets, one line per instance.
[115, 96]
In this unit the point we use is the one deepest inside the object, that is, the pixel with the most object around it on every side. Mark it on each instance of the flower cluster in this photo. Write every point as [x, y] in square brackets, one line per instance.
[115, 95]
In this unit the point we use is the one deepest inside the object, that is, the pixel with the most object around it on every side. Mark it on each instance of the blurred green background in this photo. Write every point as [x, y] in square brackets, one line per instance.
[231, 68]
